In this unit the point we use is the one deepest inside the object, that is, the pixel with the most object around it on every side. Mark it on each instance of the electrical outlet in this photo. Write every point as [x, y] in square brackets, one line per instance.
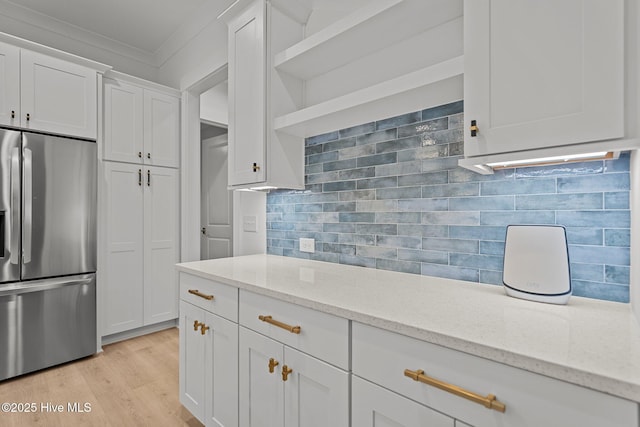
[307, 245]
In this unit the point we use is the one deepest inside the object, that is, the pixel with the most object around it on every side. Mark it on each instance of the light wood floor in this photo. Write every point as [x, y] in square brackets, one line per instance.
[131, 383]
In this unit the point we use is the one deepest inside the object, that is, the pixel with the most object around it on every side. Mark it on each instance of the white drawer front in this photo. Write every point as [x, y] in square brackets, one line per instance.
[531, 400]
[321, 335]
[198, 291]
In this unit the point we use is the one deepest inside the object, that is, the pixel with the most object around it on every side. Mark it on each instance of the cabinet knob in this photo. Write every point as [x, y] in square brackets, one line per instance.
[140, 154]
[256, 168]
[148, 155]
[196, 325]
[203, 328]
[204, 231]
[28, 116]
[13, 114]
[272, 364]
[285, 372]
[474, 128]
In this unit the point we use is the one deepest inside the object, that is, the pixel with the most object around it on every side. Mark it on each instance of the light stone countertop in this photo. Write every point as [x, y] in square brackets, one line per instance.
[595, 344]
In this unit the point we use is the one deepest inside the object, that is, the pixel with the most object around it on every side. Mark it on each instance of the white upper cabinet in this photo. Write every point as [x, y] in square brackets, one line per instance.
[46, 93]
[141, 125]
[542, 74]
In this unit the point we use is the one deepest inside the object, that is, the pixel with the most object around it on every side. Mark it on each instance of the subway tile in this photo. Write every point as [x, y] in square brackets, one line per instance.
[597, 219]
[480, 232]
[423, 127]
[617, 274]
[376, 252]
[324, 256]
[450, 272]
[271, 250]
[364, 239]
[434, 257]
[340, 144]
[309, 226]
[338, 186]
[397, 217]
[357, 261]
[275, 216]
[322, 157]
[275, 234]
[377, 206]
[399, 169]
[584, 236]
[423, 230]
[282, 226]
[593, 183]
[283, 243]
[310, 198]
[339, 228]
[358, 195]
[324, 217]
[451, 218]
[442, 137]
[488, 247]
[313, 149]
[313, 188]
[617, 237]
[364, 217]
[491, 277]
[384, 182]
[560, 202]
[605, 291]
[611, 255]
[397, 121]
[581, 271]
[439, 164]
[339, 165]
[339, 248]
[347, 238]
[456, 121]
[339, 207]
[401, 266]
[481, 262]
[450, 245]
[616, 200]
[451, 190]
[488, 203]
[618, 165]
[358, 130]
[422, 205]
[422, 153]
[319, 139]
[410, 242]
[456, 148]
[518, 186]
[358, 151]
[577, 168]
[443, 110]
[379, 136]
[377, 159]
[357, 173]
[464, 175]
[319, 178]
[377, 229]
[517, 217]
[398, 144]
[423, 178]
[311, 169]
[398, 193]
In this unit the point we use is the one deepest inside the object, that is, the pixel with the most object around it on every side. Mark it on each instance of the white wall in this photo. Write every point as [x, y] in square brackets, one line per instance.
[214, 104]
[249, 204]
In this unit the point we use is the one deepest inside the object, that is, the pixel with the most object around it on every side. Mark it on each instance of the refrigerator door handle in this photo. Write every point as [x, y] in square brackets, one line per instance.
[14, 243]
[27, 224]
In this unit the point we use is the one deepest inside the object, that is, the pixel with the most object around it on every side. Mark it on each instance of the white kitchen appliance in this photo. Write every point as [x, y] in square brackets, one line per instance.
[536, 263]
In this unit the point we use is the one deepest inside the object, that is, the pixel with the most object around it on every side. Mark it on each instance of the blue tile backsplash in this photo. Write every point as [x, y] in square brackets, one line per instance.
[389, 195]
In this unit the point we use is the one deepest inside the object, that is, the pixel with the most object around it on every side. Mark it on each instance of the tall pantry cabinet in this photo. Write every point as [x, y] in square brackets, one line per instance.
[140, 176]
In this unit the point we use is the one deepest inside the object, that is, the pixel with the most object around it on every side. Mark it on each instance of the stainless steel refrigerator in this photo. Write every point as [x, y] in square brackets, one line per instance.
[47, 251]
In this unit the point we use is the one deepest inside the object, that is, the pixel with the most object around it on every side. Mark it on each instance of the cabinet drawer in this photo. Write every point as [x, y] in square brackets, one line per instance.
[321, 335]
[197, 291]
[531, 400]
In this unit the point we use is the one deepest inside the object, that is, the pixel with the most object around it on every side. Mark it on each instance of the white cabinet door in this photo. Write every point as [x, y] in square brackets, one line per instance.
[374, 406]
[261, 391]
[161, 129]
[542, 73]
[9, 85]
[221, 372]
[122, 293]
[316, 393]
[247, 95]
[193, 345]
[160, 244]
[123, 122]
[58, 96]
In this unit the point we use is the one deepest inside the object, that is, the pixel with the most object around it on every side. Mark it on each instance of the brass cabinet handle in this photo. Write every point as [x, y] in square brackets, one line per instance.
[255, 167]
[196, 325]
[203, 328]
[474, 128]
[285, 372]
[272, 364]
[200, 294]
[140, 177]
[488, 401]
[148, 178]
[272, 321]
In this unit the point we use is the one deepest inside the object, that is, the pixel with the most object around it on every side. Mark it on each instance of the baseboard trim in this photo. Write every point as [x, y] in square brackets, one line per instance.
[133, 333]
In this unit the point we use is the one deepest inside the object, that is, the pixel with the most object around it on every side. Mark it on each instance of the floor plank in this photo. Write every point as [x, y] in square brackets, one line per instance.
[131, 383]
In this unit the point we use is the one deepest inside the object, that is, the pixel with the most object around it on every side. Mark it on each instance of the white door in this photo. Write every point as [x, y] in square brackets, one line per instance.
[9, 85]
[316, 393]
[122, 294]
[160, 244]
[261, 391]
[217, 201]
[542, 73]
[374, 406]
[123, 122]
[247, 47]
[161, 129]
[193, 346]
[221, 372]
[58, 96]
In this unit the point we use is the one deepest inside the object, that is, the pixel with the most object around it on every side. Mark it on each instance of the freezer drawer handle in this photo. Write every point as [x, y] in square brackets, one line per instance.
[488, 401]
[272, 321]
[200, 294]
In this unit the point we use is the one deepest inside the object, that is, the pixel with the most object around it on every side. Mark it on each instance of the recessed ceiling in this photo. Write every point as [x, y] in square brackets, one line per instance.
[142, 24]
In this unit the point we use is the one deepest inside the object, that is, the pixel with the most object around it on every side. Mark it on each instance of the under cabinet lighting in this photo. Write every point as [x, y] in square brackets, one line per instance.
[555, 160]
[265, 188]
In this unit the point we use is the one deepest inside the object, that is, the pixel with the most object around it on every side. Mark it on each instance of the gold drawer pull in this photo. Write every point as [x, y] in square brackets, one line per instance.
[285, 372]
[272, 364]
[200, 294]
[488, 401]
[272, 321]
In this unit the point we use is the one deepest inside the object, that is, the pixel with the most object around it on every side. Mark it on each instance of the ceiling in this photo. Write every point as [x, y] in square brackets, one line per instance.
[145, 25]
